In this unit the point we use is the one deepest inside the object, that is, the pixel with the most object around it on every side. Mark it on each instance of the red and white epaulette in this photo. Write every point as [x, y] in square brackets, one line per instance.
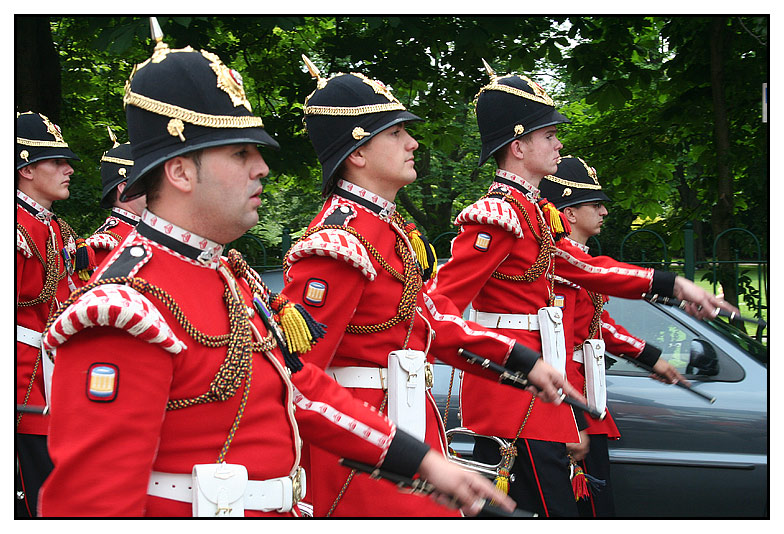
[338, 244]
[494, 211]
[118, 306]
[22, 246]
[102, 241]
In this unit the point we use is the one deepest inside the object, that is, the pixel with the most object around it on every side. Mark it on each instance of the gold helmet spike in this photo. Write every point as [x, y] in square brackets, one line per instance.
[320, 82]
[113, 137]
[155, 30]
[489, 70]
[161, 49]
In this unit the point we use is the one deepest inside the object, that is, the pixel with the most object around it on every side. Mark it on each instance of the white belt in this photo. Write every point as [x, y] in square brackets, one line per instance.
[29, 336]
[359, 377]
[513, 321]
[280, 494]
[577, 355]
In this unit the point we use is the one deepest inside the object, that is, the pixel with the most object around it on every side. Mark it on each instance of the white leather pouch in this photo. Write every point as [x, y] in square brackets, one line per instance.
[406, 389]
[218, 490]
[48, 370]
[551, 331]
[595, 384]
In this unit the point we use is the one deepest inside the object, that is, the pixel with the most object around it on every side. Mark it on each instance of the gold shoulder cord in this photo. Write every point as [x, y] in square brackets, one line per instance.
[51, 269]
[594, 331]
[235, 368]
[410, 278]
[52, 277]
[546, 249]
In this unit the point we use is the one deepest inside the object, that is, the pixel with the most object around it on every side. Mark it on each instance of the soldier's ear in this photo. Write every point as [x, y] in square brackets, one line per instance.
[26, 172]
[357, 158]
[181, 173]
[569, 213]
[516, 149]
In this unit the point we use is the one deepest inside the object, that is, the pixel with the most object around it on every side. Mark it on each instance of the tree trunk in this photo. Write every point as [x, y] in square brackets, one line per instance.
[722, 213]
[37, 68]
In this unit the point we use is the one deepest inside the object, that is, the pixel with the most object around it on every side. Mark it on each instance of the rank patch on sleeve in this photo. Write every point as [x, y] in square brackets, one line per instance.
[558, 300]
[315, 292]
[482, 242]
[102, 382]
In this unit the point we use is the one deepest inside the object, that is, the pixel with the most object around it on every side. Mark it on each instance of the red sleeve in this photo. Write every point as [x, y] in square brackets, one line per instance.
[331, 418]
[453, 333]
[617, 340]
[103, 452]
[602, 273]
[462, 280]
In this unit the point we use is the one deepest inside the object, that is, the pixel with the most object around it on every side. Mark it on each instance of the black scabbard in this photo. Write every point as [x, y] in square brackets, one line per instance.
[672, 301]
[424, 487]
[41, 410]
[648, 368]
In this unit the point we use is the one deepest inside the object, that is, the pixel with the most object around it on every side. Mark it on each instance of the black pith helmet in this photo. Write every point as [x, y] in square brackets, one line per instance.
[182, 100]
[116, 165]
[510, 107]
[37, 138]
[344, 112]
[573, 183]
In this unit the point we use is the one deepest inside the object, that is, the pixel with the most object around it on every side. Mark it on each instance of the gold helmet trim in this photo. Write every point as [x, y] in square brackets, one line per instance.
[118, 161]
[351, 111]
[36, 142]
[578, 185]
[189, 116]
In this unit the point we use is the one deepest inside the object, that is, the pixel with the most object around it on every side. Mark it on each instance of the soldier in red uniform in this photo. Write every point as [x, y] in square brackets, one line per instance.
[575, 190]
[175, 391]
[116, 164]
[359, 269]
[503, 262]
[46, 250]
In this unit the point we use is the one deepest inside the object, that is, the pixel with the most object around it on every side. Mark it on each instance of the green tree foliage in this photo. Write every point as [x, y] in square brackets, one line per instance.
[639, 92]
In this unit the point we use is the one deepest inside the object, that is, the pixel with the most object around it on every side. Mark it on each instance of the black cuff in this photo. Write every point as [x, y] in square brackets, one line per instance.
[404, 455]
[663, 283]
[649, 355]
[582, 421]
[522, 359]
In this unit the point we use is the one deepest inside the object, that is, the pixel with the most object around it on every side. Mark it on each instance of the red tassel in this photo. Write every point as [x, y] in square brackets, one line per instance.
[579, 484]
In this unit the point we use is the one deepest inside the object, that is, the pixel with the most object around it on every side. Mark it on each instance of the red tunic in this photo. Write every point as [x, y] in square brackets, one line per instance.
[35, 227]
[104, 450]
[347, 268]
[502, 234]
[591, 321]
[111, 233]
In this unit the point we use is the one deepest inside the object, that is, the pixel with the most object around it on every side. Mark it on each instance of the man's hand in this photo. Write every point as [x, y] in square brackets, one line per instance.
[701, 303]
[459, 488]
[578, 451]
[549, 383]
[666, 373]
